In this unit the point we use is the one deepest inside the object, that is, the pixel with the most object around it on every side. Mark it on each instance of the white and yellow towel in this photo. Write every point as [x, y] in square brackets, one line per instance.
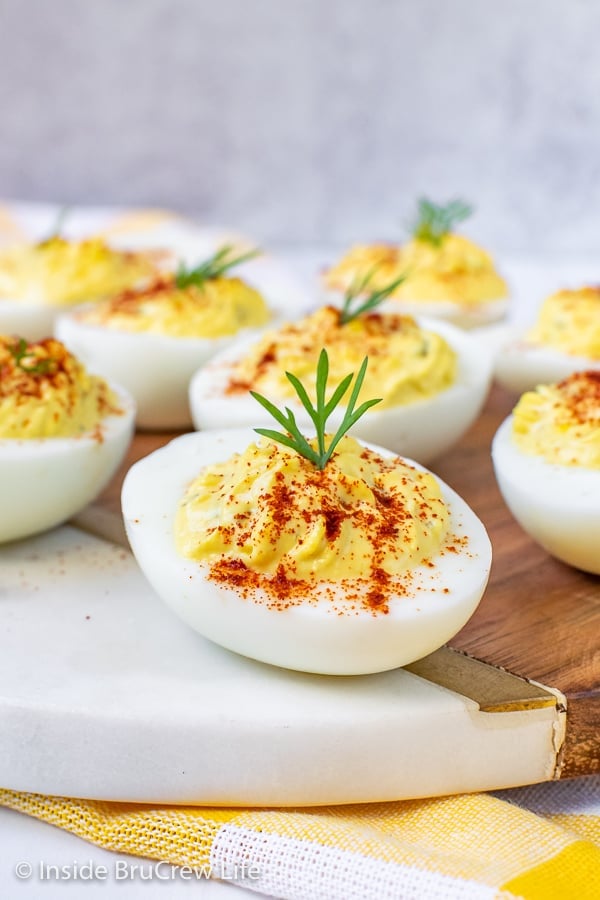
[538, 843]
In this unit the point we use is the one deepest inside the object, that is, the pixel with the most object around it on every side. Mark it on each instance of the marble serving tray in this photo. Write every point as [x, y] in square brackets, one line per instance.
[105, 694]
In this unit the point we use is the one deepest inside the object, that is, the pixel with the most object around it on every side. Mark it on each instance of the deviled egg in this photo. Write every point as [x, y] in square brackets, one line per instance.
[547, 461]
[362, 566]
[152, 340]
[446, 275]
[63, 433]
[564, 339]
[432, 377]
[38, 280]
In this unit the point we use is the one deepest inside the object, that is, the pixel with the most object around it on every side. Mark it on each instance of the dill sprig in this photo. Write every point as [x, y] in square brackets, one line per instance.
[370, 300]
[213, 267]
[20, 353]
[435, 221]
[292, 437]
[57, 226]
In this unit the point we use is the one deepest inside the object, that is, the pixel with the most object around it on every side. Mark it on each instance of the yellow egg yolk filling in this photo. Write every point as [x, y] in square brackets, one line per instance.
[569, 321]
[406, 363]
[456, 270]
[46, 393]
[561, 422]
[58, 271]
[363, 520]
[220, 307]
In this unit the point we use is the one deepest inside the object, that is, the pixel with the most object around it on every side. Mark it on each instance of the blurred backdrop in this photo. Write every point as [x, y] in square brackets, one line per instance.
[310, 120]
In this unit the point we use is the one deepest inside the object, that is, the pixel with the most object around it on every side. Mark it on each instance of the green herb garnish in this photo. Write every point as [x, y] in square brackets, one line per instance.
[21, 354]
[292, 436]
[57, 226]
[435, 222]
[215, 266]
[370, 301]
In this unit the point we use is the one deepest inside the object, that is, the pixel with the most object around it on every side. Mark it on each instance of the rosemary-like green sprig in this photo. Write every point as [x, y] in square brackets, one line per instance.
[213, 267]
[292, 437]
[57, 227]
[20, 353]
[435, 221]
[370, 301]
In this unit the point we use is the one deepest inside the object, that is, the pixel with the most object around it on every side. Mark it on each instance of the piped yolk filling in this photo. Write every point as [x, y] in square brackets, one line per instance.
[406, 362]
[45, 392]
[569, 321]
[58, 271]
[456, 270]
[218, 308]
[268, 518]
[561, 422]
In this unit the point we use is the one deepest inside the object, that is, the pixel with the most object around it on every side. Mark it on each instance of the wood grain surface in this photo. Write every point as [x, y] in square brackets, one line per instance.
[539, 618]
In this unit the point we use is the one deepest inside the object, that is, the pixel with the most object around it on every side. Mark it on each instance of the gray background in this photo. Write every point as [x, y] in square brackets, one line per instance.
[307, 120]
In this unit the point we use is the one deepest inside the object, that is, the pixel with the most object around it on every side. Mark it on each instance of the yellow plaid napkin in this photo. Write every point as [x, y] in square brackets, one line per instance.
[471, 846]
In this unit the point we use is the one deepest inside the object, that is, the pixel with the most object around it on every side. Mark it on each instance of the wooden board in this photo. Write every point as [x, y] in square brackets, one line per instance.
[539, 619]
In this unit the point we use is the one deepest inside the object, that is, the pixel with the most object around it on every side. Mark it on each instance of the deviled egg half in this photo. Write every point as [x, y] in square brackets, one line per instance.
[152, 340]
[432, 378]
[362, 566]
[547, 462]
[39, 280]
[63, 433]
[564, 339]
[446, 275]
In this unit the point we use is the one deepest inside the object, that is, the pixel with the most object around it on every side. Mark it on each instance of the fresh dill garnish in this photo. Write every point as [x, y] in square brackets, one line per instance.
[370, 300]
[57, 226]
[292, 437]
[435, 221]
[213, 267]
[20, 353]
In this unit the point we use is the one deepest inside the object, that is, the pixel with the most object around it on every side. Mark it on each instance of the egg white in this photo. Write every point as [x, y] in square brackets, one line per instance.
[45, 481]
[33, 321]
[520, 366]
[309, 638]
[154, 368]
[557, 505]
[421, 430]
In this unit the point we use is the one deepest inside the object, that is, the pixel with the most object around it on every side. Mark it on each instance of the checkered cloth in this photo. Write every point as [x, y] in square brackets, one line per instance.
[537, 843]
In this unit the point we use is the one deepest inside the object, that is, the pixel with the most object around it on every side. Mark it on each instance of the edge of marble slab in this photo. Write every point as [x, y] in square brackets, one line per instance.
[407, 738]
